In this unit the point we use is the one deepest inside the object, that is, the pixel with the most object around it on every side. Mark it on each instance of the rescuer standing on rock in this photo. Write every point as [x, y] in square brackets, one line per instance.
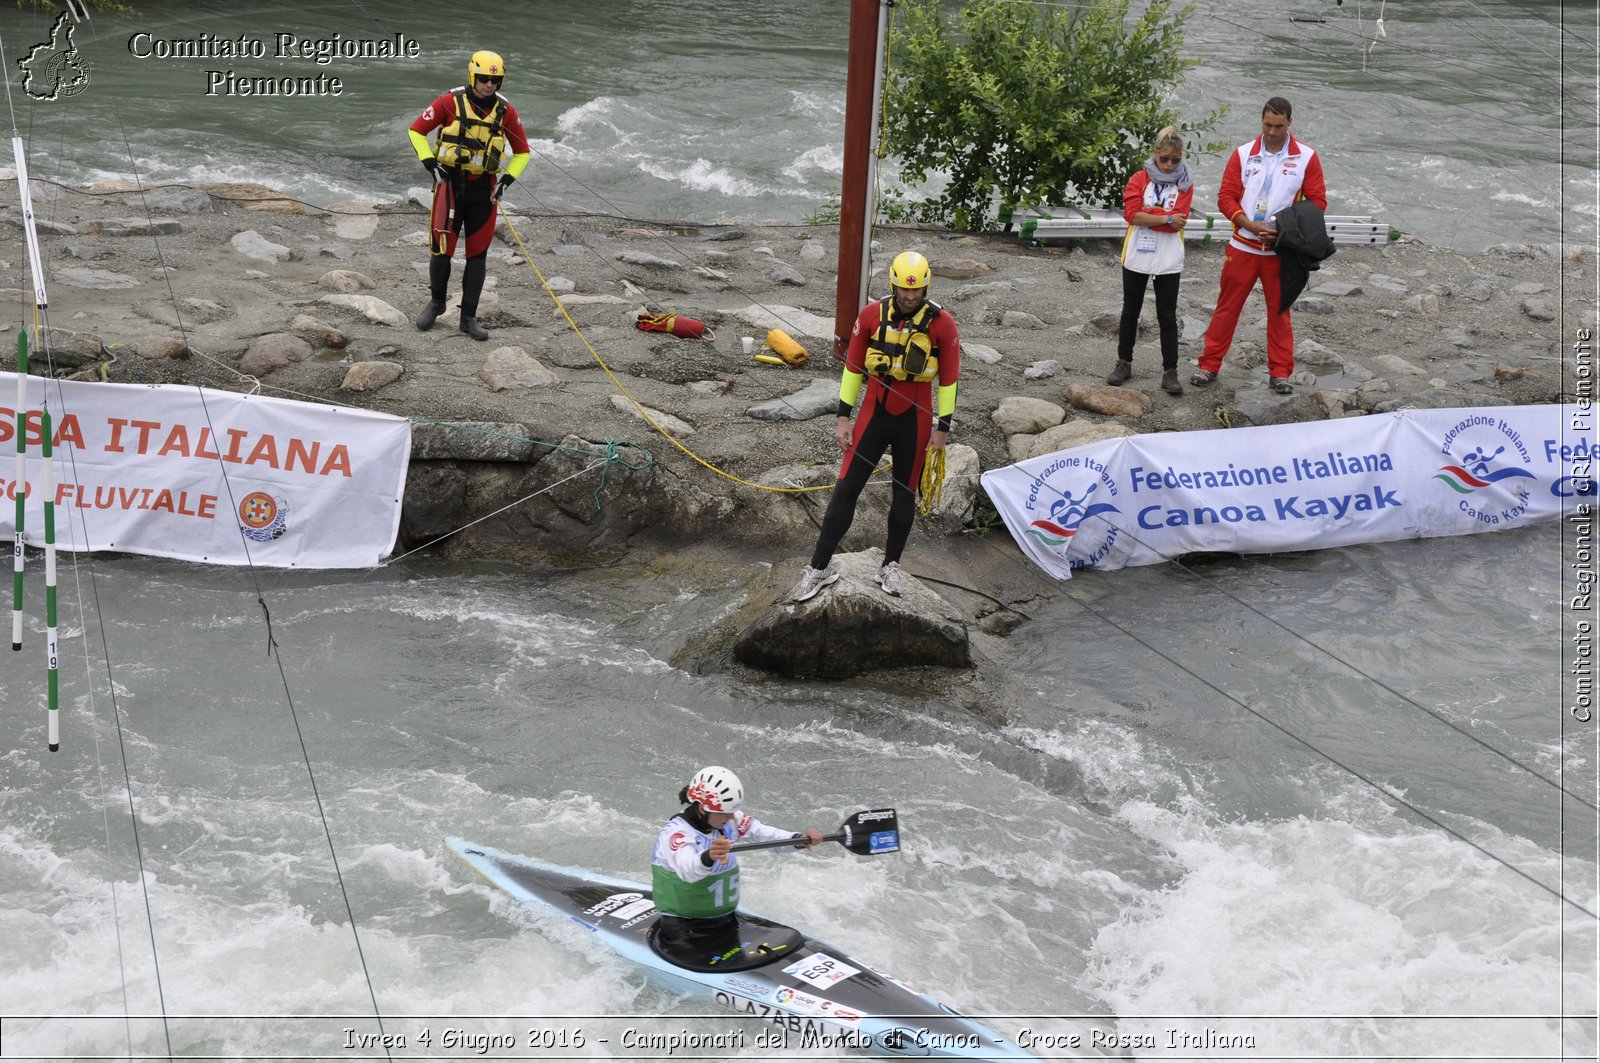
[476, 125]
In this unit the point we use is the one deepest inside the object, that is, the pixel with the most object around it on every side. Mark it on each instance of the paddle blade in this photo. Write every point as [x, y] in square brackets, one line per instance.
[872, 833]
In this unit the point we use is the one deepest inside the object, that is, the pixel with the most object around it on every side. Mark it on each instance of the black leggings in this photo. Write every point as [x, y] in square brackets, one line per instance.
[901, 434]
[1166, 314]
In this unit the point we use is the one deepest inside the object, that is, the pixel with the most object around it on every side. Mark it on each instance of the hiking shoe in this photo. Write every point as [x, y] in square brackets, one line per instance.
[1169, 382]
[1121, 373]
[1280, 384]
[891, 579]
[813, 580]
[470, 326]
[429, 315]
[1202, 378]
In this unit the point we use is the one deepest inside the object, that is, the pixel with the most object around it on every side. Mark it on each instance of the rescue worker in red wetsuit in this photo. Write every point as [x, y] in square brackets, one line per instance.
[906, 348]
[476, 126]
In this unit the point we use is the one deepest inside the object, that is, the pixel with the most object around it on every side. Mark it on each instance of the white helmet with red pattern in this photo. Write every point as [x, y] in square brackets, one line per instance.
[716, 789]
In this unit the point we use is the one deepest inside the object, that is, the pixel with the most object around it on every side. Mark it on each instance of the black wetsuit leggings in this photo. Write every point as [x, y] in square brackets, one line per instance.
[885, 431]
[1166, 286]
[474, 218]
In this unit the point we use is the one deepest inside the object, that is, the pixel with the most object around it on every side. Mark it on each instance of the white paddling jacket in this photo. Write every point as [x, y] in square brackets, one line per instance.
[1258, 184]
[686, 887]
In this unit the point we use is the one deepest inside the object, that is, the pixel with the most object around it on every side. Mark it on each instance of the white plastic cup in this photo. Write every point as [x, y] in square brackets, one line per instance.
[749, 344]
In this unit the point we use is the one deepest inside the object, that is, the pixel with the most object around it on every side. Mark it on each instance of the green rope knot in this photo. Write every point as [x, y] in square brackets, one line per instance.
[613, 456]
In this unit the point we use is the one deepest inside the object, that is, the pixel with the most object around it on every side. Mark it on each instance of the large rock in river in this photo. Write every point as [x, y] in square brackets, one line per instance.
[853, 627]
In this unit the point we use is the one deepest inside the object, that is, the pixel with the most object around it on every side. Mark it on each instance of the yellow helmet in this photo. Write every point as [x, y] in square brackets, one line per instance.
[909, 270]
[485, 64]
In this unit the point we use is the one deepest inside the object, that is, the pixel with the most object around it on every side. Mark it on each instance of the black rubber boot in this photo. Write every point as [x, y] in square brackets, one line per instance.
[438, 284]
[472, 275]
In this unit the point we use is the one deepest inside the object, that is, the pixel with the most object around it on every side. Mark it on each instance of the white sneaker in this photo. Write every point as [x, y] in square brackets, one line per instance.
[813, 580]
[891, 579]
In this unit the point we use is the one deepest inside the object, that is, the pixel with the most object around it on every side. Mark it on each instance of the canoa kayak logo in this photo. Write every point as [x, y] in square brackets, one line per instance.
[1490, 485]
[55, 69]
[1071, 515]
[263, 517]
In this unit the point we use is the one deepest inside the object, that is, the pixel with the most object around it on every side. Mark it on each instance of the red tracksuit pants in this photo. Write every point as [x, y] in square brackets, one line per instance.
[1240, 272]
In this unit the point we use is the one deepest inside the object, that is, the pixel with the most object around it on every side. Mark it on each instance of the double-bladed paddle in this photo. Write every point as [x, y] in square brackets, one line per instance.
[868, 833]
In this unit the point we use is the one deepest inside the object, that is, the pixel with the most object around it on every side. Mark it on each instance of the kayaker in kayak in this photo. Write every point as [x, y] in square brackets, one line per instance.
[694, 875]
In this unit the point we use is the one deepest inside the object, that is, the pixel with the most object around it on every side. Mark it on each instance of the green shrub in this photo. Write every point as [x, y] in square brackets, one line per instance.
[1026, 104]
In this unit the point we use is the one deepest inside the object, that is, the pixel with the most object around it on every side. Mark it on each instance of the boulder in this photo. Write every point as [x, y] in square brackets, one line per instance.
[783, 273]
[853, 628]
[1423, 304]
[1029, 416]
[791, 319]
[318, 332]
[1538, 309]
[1394, 365]
[958, 268]
[1115, 402]
[512, 367]
[675, 425]
[1310, 352]
[962, 470]
[345, 280]
[70, 349]
[980, 353]
[1388, 284]
[472, 441]
[253, 245]
[370, 376]
[815, 399]
[353, 221]
[1042, 370]
[371, 307]
[171, 199]
[1107, 322]
[644, 258]
[158, 347]
[1021, 319]
[271, 352]
[1064, 436]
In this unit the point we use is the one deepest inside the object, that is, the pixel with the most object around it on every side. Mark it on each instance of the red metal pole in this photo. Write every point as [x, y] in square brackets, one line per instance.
[860, 75]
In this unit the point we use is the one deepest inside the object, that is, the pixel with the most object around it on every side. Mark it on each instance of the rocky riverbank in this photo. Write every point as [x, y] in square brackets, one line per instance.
[230, 285]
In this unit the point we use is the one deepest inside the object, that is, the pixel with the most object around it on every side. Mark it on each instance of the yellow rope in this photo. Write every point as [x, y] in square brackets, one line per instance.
[931, 490]
[670, 438]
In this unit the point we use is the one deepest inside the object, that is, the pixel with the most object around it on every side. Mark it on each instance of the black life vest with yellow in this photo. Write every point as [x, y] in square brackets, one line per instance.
[469, 143]
[906, 352]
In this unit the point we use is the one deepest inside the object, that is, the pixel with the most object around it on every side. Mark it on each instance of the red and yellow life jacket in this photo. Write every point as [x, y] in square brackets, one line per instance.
[469, 143]
[905, 353]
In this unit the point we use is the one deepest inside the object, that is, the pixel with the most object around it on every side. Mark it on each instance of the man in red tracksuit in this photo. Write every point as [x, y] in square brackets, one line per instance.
[1262, 177]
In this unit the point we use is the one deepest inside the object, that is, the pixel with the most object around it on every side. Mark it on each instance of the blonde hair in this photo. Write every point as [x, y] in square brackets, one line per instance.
[1170, 139]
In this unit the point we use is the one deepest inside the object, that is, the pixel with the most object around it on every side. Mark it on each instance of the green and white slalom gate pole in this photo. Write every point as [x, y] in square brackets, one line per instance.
[19, 485]
[40, 318]
[52, 646]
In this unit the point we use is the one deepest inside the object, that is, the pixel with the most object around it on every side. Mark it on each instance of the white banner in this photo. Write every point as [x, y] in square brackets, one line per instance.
[1417, 473]
[154, 470]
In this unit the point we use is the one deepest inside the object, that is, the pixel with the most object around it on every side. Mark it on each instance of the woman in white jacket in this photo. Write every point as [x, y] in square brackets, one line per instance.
[1156, 203]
